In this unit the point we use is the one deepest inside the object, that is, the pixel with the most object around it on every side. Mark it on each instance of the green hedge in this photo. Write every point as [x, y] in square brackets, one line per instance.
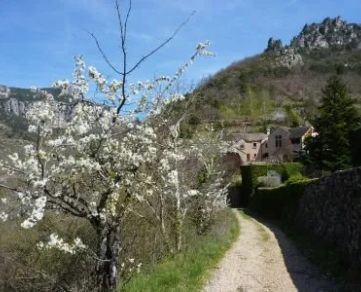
[279, 203]
[250, 173]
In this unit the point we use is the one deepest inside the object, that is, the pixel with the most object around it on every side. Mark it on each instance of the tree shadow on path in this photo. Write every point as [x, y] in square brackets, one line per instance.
[305, 276]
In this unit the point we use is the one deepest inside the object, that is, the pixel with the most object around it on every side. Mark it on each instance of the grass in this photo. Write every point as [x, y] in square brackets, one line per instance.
[245, 215]
[189, 270]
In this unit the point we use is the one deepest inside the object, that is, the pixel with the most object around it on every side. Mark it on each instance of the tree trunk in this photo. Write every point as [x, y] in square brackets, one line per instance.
[178, 229]
[162, 224]
[108, 253]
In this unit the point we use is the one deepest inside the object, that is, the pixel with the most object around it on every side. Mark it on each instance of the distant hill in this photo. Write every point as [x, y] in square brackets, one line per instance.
[14, 104]
[282, 85]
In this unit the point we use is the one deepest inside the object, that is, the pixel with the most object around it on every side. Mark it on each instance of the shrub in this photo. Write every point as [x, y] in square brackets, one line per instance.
[236, 180]
[250, 174]
[269, 181]
[296, 178]
[194, 120]
[279, 203]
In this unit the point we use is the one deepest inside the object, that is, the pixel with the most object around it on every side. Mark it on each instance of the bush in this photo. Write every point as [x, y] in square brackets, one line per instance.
[279, 203]
[296, 178]
[236, 180]
[269, 181]
[250, 174]
[24, 267]
[194, 120]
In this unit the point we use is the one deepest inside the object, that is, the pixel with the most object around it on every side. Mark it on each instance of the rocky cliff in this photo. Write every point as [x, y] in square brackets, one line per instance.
[283, 56]
[16, 102]
[331, 33]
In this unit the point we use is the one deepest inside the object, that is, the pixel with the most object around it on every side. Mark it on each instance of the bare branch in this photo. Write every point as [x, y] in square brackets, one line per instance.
[8, 188]
[123, 42]
[126, 19]
[162, 44]
[103, 54]
[121, 27]
[123, 35]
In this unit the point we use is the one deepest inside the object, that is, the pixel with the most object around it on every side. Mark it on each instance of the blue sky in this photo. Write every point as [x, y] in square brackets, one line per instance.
[39, 38]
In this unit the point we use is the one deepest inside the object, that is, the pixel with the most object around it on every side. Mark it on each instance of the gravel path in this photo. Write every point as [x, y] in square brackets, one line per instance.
[264, 259]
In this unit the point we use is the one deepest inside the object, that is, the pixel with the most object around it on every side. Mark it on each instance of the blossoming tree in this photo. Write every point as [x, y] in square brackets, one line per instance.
[95, 167]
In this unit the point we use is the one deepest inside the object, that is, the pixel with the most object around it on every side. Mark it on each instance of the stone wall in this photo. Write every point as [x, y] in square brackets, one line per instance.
[331, 210]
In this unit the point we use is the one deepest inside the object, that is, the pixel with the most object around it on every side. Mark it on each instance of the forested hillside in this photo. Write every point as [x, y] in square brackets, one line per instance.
[282, 85]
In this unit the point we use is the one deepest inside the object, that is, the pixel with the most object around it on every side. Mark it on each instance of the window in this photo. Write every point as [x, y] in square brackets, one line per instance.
[278, 141]
[255, 155]
[254, 145]
[266, 145]
[241, 146]
[296, 141]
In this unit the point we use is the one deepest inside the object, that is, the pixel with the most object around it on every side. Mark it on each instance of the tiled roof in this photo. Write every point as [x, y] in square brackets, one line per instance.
[297, 132]
[251, 137]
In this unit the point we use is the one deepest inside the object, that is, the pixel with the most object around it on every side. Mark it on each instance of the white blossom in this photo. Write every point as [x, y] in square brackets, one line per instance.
[102, 150]
[4, 216]
[58, 243]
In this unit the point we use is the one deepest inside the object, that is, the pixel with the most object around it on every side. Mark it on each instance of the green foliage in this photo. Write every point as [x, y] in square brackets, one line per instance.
[194, 120]
[202, 178]
[279, 203]
[236, 180]
[250, 173]
[227, 112]
[296, 178]
[23, 267]
[277, 72]
[217, 126]
[355, 141]
[256, 103]
[188, 271]
[337, 119]
[310, 108]
[253, 88]
[292, 118]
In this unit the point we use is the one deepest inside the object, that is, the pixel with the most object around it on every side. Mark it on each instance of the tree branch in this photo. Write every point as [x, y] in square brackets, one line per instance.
[103, 54]
[8, 188]
[127, 17]
[162, 44]
[123, 41]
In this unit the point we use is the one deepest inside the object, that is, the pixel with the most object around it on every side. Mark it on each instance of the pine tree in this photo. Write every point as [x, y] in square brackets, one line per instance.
[337, 119]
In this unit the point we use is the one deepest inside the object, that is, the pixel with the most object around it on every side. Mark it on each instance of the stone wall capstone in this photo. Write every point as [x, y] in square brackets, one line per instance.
[331, 210]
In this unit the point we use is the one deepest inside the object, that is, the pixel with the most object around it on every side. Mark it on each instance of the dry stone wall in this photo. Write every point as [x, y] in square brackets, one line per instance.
[331, 210]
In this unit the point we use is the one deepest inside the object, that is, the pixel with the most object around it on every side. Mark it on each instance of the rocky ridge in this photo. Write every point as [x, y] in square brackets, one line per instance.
[16, 102]
[331, 33]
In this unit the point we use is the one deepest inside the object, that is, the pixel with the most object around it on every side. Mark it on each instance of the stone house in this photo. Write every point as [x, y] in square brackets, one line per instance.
[248, 147]
[283, 143]
[279, 144]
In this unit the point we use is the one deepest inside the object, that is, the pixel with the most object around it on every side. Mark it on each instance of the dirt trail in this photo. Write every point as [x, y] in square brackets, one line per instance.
[265, 260]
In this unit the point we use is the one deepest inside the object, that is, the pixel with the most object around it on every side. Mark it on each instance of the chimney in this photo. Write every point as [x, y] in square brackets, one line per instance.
[268, 131]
